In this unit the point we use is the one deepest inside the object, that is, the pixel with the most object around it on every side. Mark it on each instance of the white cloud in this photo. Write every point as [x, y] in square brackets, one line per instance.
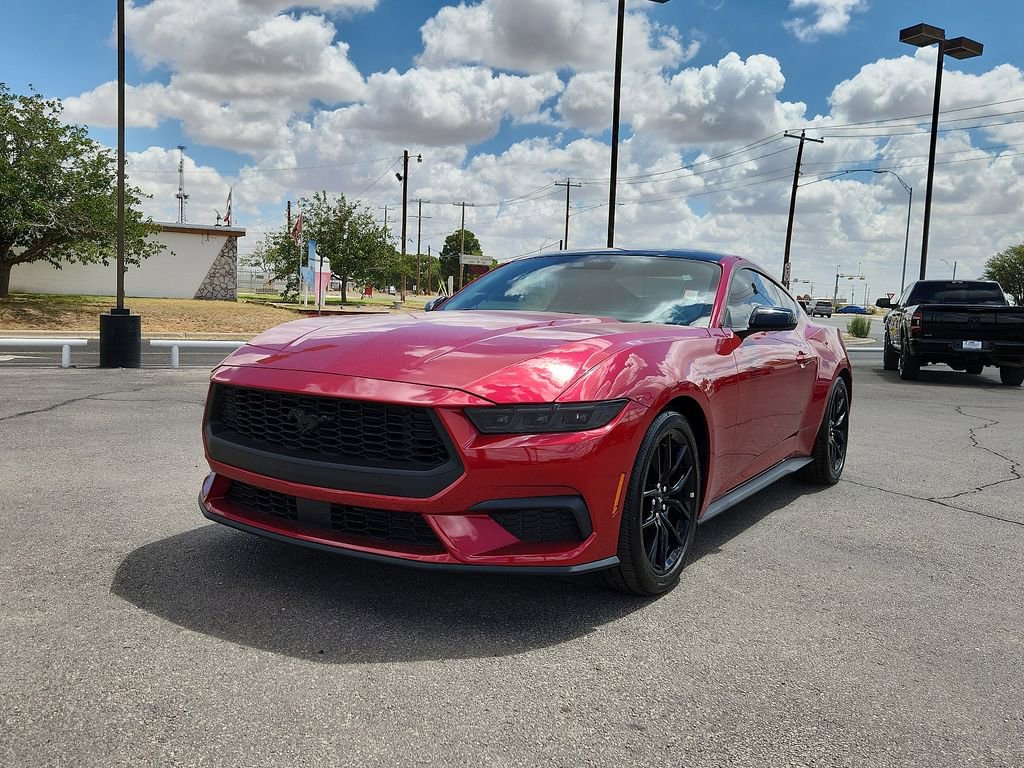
[545, 36]
[732, 100]
[831, 17]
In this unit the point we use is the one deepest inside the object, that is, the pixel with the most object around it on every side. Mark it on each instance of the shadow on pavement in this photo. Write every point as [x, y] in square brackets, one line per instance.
[937, 374]
[322, 607]
[719, 531]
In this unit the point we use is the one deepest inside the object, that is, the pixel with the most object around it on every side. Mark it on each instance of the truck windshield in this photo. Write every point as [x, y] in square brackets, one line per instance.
[628, 287]
[956, 292]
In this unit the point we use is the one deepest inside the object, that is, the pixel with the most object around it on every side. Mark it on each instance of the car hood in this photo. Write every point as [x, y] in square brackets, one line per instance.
[502, 356]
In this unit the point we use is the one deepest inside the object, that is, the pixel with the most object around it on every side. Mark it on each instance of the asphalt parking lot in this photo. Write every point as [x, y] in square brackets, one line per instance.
[876, 623]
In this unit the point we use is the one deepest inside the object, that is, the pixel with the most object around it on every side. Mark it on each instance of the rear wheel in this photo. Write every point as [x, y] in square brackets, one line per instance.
[1011, 376]
[975, 368]
[659, 516]
[890, 357]
[829, 454]
[909, 365]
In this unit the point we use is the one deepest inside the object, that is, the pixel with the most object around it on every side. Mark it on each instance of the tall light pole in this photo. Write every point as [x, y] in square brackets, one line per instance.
[923, 35]
[952, 264]
[404, 178]
[616, 99]
[120, 330]
[906, 240]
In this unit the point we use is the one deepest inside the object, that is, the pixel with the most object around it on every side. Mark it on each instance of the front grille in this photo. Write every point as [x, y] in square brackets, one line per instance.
[381, 525]
[348, 432]
[404, 529]
[251, 498]
[543, 524]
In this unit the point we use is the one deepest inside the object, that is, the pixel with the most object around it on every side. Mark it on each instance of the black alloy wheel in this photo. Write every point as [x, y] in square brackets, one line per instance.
[659, 517]
[828, 458]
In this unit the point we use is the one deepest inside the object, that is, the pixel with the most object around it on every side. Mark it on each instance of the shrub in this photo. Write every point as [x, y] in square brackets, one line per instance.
[859, 327]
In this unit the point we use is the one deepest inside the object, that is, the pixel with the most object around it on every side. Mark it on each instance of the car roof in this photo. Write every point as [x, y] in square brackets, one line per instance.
[676, 253]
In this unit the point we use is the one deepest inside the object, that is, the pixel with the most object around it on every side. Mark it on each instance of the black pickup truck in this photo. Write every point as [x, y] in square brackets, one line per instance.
[966, 324]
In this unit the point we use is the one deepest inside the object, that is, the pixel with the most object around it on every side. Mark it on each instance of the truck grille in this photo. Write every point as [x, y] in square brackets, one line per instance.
[328, 429]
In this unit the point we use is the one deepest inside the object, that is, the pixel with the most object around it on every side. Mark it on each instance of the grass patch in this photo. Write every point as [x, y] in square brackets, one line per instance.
[41, 312]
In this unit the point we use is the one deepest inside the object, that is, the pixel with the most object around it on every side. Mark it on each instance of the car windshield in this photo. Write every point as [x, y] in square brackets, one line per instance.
[636, 288]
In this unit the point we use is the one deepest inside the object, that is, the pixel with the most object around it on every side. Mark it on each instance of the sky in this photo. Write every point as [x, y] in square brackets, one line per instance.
[504, 98]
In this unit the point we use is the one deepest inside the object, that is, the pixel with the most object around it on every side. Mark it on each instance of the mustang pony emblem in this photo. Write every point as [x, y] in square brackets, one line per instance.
[307, 423]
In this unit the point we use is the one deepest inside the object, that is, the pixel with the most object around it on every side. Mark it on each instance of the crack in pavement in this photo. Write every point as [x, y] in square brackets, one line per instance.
[1014, 466]
[942, 500]
[935, 501]
[71, 401]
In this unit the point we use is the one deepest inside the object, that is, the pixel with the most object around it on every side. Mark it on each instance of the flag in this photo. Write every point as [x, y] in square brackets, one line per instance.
[227, 213]
[297, 230]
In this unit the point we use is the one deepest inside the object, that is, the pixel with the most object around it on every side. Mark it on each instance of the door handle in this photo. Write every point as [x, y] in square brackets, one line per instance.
[802, 360]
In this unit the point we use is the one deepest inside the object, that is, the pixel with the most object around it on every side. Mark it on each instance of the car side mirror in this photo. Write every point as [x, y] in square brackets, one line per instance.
[883, 303]
[771, 319]
[435, 304]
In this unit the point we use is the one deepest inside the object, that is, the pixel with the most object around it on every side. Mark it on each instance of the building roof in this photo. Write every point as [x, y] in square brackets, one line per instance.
[200, 229]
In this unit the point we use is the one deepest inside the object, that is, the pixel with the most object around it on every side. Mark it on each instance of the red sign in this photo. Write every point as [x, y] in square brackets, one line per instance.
[890, 295]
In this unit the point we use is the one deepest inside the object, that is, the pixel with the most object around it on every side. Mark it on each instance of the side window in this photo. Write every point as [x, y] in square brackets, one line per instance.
[748, 290]
[906, 295]
[785, 300]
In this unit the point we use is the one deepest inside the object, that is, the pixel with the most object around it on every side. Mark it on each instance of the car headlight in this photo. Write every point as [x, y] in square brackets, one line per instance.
[532, 419]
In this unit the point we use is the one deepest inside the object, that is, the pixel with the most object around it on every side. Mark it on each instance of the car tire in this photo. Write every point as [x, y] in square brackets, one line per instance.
[828, 458]
[1012, 377]
[659, 513]
[974, 368]
[909, 365]
[890, 357]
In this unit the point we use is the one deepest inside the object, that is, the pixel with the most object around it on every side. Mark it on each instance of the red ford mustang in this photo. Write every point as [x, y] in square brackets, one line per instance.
[562, 414]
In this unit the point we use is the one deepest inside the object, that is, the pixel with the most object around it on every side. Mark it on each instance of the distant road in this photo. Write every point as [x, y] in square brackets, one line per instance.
[89, 356]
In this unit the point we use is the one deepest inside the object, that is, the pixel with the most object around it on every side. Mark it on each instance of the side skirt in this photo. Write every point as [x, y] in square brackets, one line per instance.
[754, 485]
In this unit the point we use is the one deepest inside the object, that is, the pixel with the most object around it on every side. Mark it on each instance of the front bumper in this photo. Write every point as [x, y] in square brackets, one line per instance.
[502, 478]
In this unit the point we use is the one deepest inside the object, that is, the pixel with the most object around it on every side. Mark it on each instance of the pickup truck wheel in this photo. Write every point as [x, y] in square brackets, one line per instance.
[829, 453]
[890, 357]
[909, 365]
[975, 368]
[1012, 377]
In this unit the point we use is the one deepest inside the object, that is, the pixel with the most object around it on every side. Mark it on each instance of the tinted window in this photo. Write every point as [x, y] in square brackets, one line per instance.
[748, 290]
[628, 287]
[956, 292]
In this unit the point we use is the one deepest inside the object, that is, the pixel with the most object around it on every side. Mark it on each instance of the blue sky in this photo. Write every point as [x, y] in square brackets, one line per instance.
[503, 97]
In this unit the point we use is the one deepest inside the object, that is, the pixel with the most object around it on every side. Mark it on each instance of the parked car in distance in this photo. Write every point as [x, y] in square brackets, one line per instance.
[823, 308]
[966, 324]
[564, 413]
[852, 309]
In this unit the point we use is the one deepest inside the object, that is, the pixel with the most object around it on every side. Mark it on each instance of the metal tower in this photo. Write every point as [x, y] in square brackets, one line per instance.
[182, 197]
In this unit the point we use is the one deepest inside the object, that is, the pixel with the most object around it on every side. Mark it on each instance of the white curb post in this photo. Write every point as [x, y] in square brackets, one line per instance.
[64, 344]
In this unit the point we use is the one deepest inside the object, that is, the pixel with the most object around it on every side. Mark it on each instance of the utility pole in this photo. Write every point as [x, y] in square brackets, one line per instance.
[405, 213]
[567, 184]
[430, 267]
[385, 208]
[419, 241]
[289, 214]
[792, 201]
[462, 246]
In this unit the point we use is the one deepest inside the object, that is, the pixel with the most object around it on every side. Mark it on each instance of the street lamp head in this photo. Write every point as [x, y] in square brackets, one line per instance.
[922, 35]
[962, 48]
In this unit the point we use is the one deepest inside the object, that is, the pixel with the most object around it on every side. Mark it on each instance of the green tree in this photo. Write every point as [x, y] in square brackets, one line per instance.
[449, 257]
[1007, 268]
[345, 234]
[58, 192]
[278, 256]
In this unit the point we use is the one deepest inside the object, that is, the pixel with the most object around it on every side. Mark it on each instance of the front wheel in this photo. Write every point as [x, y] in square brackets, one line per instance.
[659, 516]
[1012, 377]
[829, 454]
